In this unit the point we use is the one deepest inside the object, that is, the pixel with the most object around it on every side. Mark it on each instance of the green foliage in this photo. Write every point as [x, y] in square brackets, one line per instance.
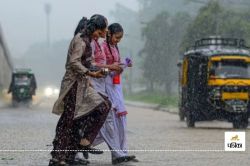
[213, 19]
[131, 42]
[154, 98]
[156, 34]
[161, 50]
[151, 8]
[169, 27]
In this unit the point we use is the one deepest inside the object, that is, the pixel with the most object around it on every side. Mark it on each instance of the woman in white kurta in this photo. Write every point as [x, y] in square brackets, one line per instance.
[108, 132]
[115, 94]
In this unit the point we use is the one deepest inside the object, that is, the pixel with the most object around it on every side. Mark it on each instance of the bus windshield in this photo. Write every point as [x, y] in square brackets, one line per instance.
[21, 79]
[231, 69]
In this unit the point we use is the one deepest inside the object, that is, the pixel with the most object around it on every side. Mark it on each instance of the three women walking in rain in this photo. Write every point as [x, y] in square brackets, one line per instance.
[91, 104]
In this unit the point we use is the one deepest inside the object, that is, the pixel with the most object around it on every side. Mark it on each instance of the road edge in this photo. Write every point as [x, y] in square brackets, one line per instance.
[156, 107]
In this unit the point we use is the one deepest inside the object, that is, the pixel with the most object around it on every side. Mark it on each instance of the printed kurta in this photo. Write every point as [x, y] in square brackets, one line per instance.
[83, 110]
[78, 59]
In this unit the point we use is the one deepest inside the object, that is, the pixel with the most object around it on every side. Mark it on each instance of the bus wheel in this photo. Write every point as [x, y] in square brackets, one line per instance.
[14, 103]
[190, 119]
[181, 115]
[240, 122]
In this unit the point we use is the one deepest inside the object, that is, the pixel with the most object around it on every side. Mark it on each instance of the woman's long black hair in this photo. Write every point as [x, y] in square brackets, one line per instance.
[95, 22]
[113, 29]
[81, 25]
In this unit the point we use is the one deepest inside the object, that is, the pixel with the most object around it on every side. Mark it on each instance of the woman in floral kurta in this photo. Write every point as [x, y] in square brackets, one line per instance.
[83, 110]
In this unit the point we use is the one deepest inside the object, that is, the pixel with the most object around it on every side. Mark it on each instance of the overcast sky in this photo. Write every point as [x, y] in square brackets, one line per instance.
[23, 21]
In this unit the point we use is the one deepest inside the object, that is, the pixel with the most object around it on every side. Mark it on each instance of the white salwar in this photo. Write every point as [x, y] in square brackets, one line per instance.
[112, 131]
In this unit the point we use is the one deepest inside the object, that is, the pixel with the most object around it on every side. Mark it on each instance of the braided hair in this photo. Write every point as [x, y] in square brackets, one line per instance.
[113, 29]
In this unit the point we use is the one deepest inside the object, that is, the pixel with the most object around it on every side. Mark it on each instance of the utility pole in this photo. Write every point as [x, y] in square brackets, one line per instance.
[47, 9]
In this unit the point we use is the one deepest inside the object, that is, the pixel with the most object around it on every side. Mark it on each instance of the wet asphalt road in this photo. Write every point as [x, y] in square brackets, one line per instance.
[156, 138]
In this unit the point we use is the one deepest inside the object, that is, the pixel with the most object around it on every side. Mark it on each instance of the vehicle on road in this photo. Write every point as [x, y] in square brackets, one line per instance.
[214, 81]
[22, 87]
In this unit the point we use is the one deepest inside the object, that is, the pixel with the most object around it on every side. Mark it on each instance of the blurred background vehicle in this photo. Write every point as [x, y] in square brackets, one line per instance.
[22, 87]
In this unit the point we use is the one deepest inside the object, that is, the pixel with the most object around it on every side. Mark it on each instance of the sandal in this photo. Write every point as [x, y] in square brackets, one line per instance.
[124, 159]
[90, 149]
[54, 162]
[131, 158]
[118, 160]
[85, 154]
[82, 161]
[77, 162]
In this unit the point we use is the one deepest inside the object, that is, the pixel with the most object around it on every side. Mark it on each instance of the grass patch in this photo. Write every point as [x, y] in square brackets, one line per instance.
[154, 98]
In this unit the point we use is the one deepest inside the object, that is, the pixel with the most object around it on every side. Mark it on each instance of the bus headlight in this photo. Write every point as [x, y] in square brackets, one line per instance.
[48, 92]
